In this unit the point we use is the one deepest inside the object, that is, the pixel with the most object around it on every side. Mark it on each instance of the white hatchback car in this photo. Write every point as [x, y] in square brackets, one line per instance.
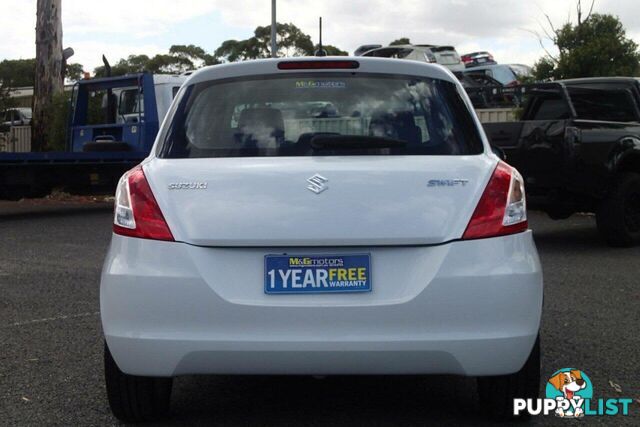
[446, 56]
[320, 216]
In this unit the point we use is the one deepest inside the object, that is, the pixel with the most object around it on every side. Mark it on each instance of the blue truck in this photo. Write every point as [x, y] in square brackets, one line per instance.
[112, 126]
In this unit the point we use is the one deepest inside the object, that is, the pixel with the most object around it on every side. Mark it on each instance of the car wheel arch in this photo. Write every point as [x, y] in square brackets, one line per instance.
[625, 157]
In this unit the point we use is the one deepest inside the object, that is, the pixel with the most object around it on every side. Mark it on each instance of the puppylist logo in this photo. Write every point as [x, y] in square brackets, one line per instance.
[569, 394]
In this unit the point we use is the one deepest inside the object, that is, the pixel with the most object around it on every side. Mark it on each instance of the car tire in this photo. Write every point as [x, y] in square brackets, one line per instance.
[133, 398]
[496, 393]
[618, 216]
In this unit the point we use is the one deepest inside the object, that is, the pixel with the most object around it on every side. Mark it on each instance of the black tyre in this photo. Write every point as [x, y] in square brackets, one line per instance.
[618, 216]
[133, 398]
[497, 393]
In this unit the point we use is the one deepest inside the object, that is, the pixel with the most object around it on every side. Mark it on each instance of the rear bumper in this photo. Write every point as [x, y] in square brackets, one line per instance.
[469, 308]
[456, 67]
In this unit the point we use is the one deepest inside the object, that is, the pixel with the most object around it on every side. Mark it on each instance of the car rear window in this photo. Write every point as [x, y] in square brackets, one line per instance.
[503, 74]
[283, 115]
[604, 105]
[550, 107]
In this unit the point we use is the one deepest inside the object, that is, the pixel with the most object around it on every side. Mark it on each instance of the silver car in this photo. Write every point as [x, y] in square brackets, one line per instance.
[16, 117]
[443, 55]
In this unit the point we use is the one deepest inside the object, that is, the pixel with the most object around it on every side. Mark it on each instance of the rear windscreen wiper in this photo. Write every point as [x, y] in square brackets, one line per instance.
[334, 142]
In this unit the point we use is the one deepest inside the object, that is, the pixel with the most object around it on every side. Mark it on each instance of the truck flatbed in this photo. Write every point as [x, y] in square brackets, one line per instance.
[112, 125]
[61, 157]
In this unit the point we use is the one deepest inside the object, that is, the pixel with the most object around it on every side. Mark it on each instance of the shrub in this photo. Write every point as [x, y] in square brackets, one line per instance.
[58, 122]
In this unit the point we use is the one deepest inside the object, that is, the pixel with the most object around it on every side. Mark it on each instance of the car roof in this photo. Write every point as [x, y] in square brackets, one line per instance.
[424, 47]
[370, 46]
[169, 78]
[485, 67]
[585, 80]
[402, 46]
[17, 109]
[440, 47]
[262, 67]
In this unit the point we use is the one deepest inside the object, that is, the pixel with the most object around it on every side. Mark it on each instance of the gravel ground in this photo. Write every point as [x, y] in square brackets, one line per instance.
[51, 345]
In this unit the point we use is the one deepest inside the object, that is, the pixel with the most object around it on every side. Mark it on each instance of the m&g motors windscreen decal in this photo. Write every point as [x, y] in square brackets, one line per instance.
[320, 84]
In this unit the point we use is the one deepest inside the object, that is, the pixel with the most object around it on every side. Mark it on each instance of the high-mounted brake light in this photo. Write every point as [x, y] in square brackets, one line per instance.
[318, 65]
[137, 213]
[502, 209]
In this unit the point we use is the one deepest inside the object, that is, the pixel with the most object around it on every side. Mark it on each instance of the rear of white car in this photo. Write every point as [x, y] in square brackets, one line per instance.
[446, 56]
[319, 217]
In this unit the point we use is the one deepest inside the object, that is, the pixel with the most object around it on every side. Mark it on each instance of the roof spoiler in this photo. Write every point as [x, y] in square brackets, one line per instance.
[442, 48]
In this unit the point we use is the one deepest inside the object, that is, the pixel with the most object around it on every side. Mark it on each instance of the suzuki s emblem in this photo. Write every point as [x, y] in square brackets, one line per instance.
[317, 184]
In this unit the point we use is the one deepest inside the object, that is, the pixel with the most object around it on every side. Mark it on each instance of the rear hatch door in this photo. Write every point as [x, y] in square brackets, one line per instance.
[319, 201]
[446, 55]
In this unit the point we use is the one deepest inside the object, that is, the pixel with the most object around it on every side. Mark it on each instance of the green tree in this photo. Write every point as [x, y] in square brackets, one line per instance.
[400, 41]
[130, 65]
[5, 99]
[22, 72]
[74, 72]
[239, 50]
[59, 122]
[331, 50]
[180, 58]
[544, 69]
[596, 46]
[195, 54]
[169, 64]
[18, 72]
[291, 42]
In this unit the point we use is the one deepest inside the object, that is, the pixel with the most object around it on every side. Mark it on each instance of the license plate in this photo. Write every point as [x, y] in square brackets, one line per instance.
[313, 274]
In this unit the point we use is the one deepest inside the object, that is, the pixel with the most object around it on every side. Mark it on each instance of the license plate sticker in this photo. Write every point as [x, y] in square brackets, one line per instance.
[314, 274]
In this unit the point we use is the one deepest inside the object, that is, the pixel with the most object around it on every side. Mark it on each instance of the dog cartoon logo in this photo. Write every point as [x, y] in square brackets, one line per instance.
[569, 394]
[569, 387]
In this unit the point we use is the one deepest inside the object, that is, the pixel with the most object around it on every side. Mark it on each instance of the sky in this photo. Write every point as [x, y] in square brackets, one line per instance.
[118, 28]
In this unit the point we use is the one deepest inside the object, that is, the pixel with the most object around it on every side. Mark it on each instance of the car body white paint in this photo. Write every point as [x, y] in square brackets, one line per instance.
[438, 305]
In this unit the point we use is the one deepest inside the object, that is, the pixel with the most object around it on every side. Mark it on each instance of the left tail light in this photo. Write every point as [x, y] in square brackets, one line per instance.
[502, 209]
[137, 213]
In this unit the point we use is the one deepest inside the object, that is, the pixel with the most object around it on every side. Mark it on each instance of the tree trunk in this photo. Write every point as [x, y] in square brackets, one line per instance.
[49, 68]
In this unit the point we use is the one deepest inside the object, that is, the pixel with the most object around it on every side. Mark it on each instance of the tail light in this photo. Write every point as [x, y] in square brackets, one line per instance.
[137, 213]
[502, 209]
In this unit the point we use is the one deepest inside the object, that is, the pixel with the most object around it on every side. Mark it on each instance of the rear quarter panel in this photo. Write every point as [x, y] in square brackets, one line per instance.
[601, 148]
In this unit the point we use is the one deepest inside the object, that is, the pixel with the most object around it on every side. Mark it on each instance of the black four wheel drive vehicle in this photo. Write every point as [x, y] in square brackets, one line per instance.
[578, 147]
